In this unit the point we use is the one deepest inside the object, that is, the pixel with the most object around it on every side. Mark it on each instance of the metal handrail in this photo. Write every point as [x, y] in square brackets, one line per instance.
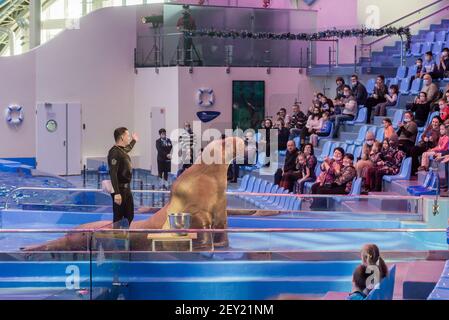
[411, 24]
[230, 230]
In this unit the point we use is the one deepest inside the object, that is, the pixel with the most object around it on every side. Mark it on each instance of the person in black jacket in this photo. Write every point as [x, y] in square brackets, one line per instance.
[421, 109]
[120, 171]
[358, 90]
[164, 148]
[378, 96]
[290, 161]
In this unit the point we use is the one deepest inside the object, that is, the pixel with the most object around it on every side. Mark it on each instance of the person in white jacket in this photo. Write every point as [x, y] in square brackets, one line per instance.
[313, 125]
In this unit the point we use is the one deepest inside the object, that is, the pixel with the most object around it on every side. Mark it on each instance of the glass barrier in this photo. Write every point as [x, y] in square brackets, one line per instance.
[278, 202]
[151, 263]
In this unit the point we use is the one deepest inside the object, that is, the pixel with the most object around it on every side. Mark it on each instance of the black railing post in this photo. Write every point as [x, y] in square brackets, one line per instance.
[84, 176]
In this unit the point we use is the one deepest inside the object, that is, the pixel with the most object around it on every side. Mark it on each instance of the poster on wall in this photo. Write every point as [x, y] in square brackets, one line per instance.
[248, 104]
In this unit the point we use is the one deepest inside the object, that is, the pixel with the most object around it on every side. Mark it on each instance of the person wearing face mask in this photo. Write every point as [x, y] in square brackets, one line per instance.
[389, 165]
[421, 109]
[164, 148]
[429, 66]
[120, 171]
[443, 67]
[429, 139]
[431, 89]
[358, 90]
[407, 132]
[364, 161]
[378, 96]
[343, 175]
[443, 145]
[419, 69]
[348, 113]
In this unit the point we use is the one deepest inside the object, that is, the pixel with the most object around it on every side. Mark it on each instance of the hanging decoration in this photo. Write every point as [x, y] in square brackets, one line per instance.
[331, 33]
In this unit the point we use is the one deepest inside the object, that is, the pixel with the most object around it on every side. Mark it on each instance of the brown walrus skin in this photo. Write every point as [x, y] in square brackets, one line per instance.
[200, 191]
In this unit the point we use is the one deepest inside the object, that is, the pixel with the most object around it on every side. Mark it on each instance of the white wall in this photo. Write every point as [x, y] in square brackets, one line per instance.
[154, 90]
[93, 65]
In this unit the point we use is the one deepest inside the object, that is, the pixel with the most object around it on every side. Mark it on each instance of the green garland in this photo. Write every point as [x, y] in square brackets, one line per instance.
[334, 33]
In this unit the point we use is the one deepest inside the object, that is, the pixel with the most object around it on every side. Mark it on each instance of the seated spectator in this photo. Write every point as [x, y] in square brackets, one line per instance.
[429, 139]
[374, 158]
[358, 90]
[290, 162]
[338, 178]
[340, 86]
[311, 163]
[282, 114]
[298, 121]
[370, 255]
[388, 129]
[364, 161]
[407, 132]
[301, 171]
[326, 104]
[359, 281]
[283, 134]
[348, 113]
[429, 66]
[390, 164]
[443, 145]
[419, 69]
[443, 66]
[444, 111]
[431, 89]
[325, 130]
[421, 109]
[391, 99]
[313, 125]
[378, 96]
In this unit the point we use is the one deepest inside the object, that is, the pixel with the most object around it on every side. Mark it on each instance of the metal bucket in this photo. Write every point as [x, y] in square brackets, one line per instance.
[179, 221]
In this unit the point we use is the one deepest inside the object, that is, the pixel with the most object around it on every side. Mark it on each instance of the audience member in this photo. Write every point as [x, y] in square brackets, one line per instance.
[388, 129]
[325, 130]
[378, 96]
[442, 146]
[348, 113]
[358, 90]
[364, 161]
[391, 99]
[407, 132]
[289, 164]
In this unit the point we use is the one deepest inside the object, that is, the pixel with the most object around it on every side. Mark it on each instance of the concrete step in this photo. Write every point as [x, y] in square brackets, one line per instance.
[393, 205]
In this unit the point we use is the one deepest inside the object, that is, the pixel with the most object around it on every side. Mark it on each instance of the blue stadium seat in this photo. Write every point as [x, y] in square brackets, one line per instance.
[357, 152]
[243, 183]
[429, 187]
[412, 71]
[392, 81]
[249, 186]
[397, 118]
[361, 116]
[404, 173]
[427, 46]
[297, 141]
[380, 134]
[430, 36]
[331, 133]
[437, 47]
[441, 36]
[360, 137]
[404, 88]
[401, 72]
[415, 50]
[416, 86]
[370, 85]
[350, 148]
[356, 188]
[325, 151]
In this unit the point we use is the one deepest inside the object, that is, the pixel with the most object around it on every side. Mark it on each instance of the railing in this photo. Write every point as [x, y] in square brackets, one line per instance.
[97, 201]
[367, 48]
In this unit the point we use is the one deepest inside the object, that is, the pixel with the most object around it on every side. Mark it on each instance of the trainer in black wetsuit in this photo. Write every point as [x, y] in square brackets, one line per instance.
[120, 171]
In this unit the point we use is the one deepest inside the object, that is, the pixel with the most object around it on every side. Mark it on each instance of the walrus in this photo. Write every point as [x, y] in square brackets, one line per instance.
[200, 190]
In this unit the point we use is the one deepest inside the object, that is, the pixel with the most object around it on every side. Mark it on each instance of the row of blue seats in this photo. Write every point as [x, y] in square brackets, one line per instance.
[271, 200]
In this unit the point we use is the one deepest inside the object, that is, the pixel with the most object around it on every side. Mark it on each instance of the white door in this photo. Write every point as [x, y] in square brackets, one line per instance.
[157, 121]
[58, 138]
[73, 139]
[51, 138]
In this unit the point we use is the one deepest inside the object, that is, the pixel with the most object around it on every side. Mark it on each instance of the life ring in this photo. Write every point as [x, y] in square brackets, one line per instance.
[10, 118]
[200, 101]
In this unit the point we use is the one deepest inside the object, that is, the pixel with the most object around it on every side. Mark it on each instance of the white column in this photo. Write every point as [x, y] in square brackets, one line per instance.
[35, 23]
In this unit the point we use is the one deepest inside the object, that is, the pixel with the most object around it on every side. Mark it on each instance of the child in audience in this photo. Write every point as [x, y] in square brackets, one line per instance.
[388, 129]
[443, 145]
[419, 70]
[303, 172]
[444, 111]
[359, 279]
[429, 67]
[370, 255]
[391, 97]
[325, 130]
